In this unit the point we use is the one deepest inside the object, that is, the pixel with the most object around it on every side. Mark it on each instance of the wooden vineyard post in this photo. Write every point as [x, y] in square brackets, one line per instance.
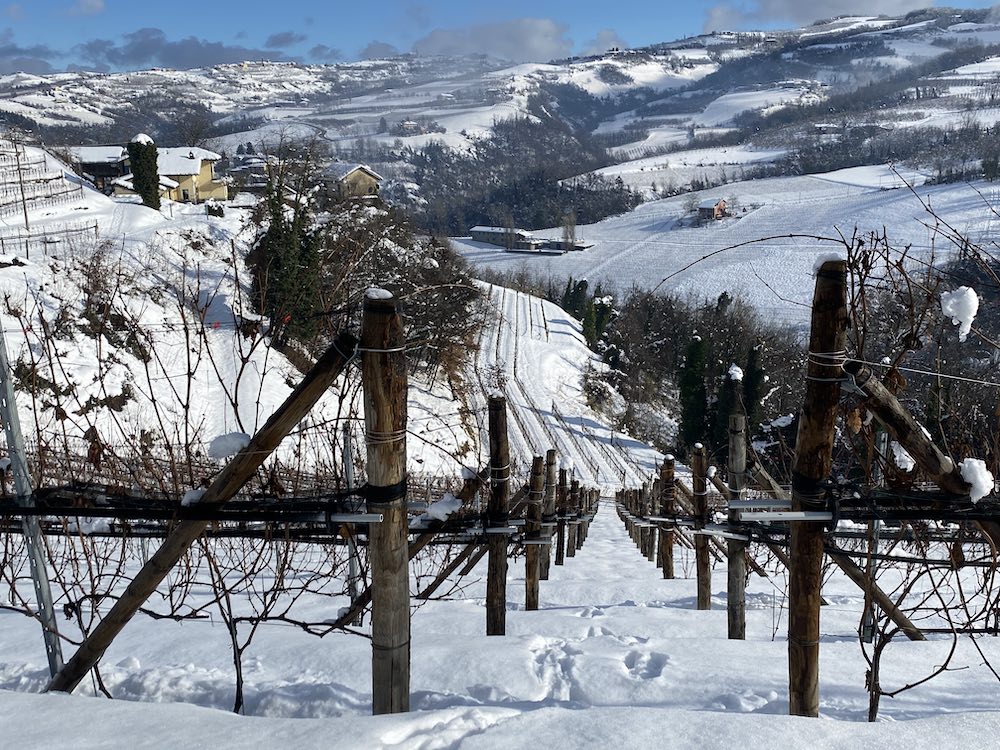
[581, 512]
[226, 484]
[656, 510]
[561, 503]
[383, 379]
[813, 460]
[548, 512]
[650, 508]
[736, 549]
[533, 535]
[668, 506]
[573, 518]
[496, 518]
[703, 560]
[642, 511]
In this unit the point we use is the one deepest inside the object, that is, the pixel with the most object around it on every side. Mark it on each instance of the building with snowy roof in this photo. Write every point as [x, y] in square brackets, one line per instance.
[711, 209]
[508, 237]
[100, 164]
[353, 180]
[186, 173]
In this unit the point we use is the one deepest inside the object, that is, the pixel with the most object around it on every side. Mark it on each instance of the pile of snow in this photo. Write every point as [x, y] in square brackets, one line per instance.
[224, 446]
[901, 458]
[974, 472]
[961, 306]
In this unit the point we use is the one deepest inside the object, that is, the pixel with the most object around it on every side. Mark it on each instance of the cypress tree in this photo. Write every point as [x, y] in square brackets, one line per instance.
[753, 387]
[145, 174]
[693, 394]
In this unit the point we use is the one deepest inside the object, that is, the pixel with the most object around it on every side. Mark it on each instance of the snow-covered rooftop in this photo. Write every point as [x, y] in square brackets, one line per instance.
[98, 154]
[183, 160]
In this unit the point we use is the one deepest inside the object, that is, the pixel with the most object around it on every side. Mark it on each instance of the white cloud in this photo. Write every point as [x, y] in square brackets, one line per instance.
[87, 7]
[605, 40]
[733, 16]
[520, 40]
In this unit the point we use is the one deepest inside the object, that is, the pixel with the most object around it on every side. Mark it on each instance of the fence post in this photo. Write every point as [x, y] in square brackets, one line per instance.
[548, 512]
[668, 506]
[561, 524]
[703, 561]
[533, 533]
[573, 524]
[736, 549]
[813, 460]
[383, 377]
[353, 562]
[496, 518]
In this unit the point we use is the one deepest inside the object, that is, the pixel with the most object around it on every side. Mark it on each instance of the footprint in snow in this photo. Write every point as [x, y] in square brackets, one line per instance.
[643, 665]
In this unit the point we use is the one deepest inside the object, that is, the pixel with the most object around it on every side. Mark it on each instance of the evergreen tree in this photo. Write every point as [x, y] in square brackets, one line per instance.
[693, 395]
[590, 324]
[142, 157]
[753, 387]
[241, 150]
[287, 268]
[250, 149]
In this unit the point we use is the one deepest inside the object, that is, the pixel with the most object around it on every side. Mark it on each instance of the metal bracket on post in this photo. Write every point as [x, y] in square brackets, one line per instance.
[32, 530]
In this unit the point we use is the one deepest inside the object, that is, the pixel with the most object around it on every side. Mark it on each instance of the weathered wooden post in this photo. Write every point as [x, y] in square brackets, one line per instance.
[383, 379]
[668, 506]
[573, 518]
[561, 502]
[642, 512]
[548, 512]
[655, 510]
[703, 560]
[226, 484]
[813, 461]
[533, 533]
[736, 549]
[496, 519]
[650, 508]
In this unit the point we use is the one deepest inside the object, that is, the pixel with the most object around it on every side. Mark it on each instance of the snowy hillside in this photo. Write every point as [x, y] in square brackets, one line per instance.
[749, 254]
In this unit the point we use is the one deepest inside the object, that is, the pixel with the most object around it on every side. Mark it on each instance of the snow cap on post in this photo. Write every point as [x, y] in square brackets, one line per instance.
[826, 258]
[375, 292]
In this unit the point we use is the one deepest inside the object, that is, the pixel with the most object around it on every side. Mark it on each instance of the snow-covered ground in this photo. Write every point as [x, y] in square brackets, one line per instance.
[615, 655]
[750, 253]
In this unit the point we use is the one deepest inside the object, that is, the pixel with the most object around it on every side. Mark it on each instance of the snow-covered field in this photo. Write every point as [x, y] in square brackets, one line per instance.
[614, 656]
[750, 253]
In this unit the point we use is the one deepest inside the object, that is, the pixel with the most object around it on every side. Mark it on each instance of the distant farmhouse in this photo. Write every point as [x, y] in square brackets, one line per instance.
[187, 174]
[712, 209]
[508, 237]
[353, 180]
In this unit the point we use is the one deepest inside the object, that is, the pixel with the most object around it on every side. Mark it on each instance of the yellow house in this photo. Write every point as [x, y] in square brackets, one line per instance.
[186, 175]
[192, 168]
[355, 180]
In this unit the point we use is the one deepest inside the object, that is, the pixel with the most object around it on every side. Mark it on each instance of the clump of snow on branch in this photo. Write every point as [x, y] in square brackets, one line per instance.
[974, 472]
[735, 373]
[961, 306]
[224, 446]
[193, 497]
[441, 509]
[901, 458]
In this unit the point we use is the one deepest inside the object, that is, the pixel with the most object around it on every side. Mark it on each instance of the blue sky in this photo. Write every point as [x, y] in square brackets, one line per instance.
[43, 35]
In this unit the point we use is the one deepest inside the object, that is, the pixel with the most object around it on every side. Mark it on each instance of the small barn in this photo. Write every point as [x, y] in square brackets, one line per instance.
[712, 209]
[508, 237]
[100, 164]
